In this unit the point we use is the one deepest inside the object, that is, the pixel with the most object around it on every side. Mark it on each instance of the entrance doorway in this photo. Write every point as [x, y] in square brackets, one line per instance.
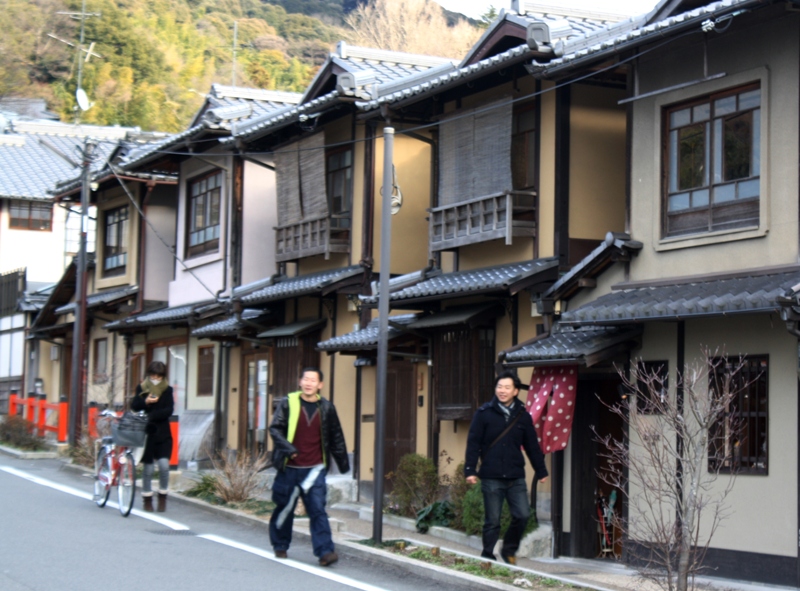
[253, 403]
[593, 421]
[401, 415]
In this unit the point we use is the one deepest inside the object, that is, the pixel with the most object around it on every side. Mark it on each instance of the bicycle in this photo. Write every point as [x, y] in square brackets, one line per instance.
[115, 467]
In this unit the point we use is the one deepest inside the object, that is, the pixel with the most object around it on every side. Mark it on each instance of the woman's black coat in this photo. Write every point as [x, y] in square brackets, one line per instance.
[159, 434]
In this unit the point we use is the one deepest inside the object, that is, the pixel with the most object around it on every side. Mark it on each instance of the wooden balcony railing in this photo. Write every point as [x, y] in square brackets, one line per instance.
[310, 237]
[503, 215]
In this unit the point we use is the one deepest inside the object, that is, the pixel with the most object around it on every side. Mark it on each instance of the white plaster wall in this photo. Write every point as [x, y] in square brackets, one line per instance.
[43, 253]
[259, 218]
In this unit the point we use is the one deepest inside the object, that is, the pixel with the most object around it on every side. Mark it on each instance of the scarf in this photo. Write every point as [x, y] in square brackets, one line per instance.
[156, 390]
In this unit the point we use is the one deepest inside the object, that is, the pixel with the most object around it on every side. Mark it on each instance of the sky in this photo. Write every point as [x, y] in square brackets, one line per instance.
[475, 8]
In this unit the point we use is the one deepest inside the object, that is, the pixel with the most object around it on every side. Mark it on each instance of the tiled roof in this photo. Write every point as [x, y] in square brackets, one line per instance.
[614, 244]
[458, 315]
[745, 294]
[160, 317]
[565, 345]
[229, 326]
[359, 70]
[628, 34]
[224, 107]
[365, 338]
[488, 279]
[101, 298]
[301, 285]
[34, 155]
[294, 329]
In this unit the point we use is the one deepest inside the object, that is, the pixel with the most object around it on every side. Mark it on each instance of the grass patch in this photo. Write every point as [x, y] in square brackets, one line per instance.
[473, 566]
[206, 490]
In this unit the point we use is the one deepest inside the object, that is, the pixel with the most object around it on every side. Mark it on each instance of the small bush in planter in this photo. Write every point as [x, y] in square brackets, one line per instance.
[18, 432]
[415, 485]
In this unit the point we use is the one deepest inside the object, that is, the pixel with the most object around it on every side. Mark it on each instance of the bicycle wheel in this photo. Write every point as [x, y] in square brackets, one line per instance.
[103, 476]
[126, 486]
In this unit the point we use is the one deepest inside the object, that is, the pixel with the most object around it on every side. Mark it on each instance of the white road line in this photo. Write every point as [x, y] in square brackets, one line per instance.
[317, 571]
[89, 497]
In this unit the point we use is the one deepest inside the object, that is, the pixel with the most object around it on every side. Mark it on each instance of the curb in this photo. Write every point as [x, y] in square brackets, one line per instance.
[28, 455]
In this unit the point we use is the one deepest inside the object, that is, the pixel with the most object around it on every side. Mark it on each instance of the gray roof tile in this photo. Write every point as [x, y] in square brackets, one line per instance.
[301, 285]
[365, 338]
[101, 298]
[160, 317]
[231, 326]
[488, 279]
[566, 345]
[751, 293]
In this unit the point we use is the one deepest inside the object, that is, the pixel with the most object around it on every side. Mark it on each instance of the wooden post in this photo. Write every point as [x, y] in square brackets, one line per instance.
[63, 415]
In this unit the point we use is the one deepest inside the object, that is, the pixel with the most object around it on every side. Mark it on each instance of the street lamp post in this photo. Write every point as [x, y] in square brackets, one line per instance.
[383, 332]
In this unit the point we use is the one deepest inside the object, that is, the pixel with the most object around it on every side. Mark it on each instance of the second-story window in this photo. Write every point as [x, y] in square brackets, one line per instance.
[204, 214]
[339, 171]
[29, 215]
[713, 162]
[523, 148]
[115, 242]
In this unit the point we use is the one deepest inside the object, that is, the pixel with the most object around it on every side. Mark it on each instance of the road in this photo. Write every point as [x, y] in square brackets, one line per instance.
[54, 538]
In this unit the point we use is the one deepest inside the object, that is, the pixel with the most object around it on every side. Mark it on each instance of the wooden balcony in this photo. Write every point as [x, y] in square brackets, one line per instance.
[504, 215]
[320, 235]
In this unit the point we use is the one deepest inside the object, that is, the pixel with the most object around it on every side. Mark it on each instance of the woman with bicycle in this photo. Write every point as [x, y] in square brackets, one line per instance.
[154, 396]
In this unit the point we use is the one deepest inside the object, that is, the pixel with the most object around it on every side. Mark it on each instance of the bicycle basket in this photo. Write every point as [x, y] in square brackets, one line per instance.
[129, 430]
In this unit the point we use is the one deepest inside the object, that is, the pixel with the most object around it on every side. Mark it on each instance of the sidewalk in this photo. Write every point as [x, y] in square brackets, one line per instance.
[352, 522]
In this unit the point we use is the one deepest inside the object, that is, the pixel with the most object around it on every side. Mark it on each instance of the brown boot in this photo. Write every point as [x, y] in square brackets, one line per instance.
[147, 501]
[162, 502]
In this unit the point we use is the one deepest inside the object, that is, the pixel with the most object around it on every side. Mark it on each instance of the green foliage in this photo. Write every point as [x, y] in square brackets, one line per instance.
[205, 489]
[154, 51]
[458, 488]
[438, 513]
[415, 485]
[17, 432]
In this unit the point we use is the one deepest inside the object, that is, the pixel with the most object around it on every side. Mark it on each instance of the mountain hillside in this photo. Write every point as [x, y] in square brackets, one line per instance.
[151, 61]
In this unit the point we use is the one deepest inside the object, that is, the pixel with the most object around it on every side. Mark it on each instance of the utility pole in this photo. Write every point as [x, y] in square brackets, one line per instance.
[79, 326]
[383, 332]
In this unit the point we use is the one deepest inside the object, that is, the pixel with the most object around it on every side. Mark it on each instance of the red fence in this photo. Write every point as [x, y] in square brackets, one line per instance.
[36, 409]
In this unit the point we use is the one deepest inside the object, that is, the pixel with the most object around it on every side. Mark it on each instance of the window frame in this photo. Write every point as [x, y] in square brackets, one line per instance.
[713, 158]
[753, 376]
[209, 245]
[659, 369]
[100, 377]
[344, 212]
[205, 367]
[524, 140]
[30, 206]
[120, 250]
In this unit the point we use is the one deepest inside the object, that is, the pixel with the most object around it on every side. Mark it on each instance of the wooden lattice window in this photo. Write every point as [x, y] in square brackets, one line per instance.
[205, 371]
[464, 370]
[738, 441]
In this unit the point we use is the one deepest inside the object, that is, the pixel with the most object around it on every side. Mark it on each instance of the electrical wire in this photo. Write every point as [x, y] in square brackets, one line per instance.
[163, 241]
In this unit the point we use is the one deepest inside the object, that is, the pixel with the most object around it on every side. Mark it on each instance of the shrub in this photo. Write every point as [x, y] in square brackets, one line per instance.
[472, 514]
[457, 489]
[238, 477]
[84, 452]
[415, 485]
[205, 488]
[438, 513]
[18, 432]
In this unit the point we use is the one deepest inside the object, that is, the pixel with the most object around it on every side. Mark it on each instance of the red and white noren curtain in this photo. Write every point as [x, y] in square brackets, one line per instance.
[551, 404]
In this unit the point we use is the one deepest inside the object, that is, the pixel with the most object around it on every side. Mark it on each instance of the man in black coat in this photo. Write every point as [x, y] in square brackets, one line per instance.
[306, 433]
[499, 430]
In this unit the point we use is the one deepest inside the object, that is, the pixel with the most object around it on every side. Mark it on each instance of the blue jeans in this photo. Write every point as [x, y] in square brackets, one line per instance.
[308, 484]
[495, 491]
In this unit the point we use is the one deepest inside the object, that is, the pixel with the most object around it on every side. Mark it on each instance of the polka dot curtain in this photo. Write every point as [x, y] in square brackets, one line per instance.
[551, 404]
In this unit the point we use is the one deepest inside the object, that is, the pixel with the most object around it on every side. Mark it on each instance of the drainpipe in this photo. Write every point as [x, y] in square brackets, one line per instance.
[142, 251]
[222, 362]
[357, 442]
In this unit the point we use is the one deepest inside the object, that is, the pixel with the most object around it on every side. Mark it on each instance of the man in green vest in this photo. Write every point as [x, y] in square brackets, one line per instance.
[306, 433]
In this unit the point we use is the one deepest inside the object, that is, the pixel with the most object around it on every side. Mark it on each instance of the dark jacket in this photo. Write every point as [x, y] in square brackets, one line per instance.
[504, 459]
[158, 414]
[283, 425]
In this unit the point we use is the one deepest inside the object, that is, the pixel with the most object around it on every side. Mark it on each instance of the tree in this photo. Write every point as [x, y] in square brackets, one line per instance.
[487, 18]
[672, 468]
[412, 26]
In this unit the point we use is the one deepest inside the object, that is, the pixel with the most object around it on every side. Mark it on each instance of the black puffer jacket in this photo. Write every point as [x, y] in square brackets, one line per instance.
[158, 414]
[332, 436]
[504, 459]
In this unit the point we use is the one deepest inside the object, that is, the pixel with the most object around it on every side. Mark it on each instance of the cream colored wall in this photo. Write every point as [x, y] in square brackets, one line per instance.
[775, 494]
[423, 373]
[766, 52]
[259, 218]
[357, 230]
[233, 396]
[597, 162]
[344, 379]
[159, 264]
[409, 244]
[367, 451]
[113, 390]
[547, 172]
[318, 263]
[111, 199]
[495, 252]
